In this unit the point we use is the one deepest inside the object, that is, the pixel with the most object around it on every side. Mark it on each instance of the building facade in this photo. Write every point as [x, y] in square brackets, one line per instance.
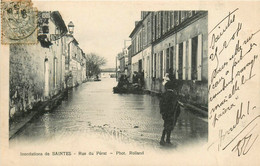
[173, 42]
[75, 62]
[123, 60]
[141, 38]
[129, 68]
[121, 64]
[38, 71]
[180, 46]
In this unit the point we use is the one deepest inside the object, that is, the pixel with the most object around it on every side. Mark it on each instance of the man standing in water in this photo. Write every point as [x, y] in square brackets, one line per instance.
[170, 111]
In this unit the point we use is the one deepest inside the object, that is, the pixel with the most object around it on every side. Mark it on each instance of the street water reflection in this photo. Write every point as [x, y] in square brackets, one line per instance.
[92, 109]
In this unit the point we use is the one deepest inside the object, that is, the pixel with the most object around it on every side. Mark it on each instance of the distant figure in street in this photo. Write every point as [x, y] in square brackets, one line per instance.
[142, 79]
[135, 78]
[170, 111]
[121, 81]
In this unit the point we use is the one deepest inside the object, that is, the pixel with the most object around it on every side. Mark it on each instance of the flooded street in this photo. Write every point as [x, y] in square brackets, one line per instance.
[93, 110]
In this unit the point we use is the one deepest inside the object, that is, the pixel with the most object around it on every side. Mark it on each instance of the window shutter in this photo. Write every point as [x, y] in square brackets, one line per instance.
[176, 18]
[164, 62]
[177, 61]
[153, 65]
[184, 61]
[173, 59]
[199, 67]
[172, 19]
[189, 59]
[158, 66]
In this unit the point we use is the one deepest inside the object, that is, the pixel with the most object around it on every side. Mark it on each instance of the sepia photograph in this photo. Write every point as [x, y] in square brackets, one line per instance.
[118, 83]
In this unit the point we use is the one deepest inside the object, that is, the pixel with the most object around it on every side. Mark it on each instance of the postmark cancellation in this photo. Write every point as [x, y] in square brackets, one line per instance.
[19, 22]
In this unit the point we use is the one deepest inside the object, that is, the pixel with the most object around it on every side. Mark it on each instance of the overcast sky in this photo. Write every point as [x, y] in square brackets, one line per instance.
[100, 27]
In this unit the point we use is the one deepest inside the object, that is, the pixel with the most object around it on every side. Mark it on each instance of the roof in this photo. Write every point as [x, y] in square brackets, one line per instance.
[59, 22]
[138, 25]
[136, 28]
[75, 41]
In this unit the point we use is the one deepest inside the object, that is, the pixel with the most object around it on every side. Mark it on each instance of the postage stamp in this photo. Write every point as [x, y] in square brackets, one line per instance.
[19, 22]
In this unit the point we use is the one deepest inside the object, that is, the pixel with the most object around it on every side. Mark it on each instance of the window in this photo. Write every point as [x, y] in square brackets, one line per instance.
[154, 27]
[55, 72]
[148, 32]
[184, 62]
[161, 64]
[140, 67]
[176, 18]
[171, 57]
[168, 21]
[180, 61]
[144, 37]
[164, 21]
[154, 65]
[190, 13]
[172, 20]
[147, 73]
[137, 43]
[183, 16]
[167, 60]
[46, 77]
[194, 56]
[159, 24]
[140, 40]
[157, 65]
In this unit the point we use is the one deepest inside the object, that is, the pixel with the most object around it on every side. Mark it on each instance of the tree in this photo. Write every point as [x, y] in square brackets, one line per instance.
[93, 64]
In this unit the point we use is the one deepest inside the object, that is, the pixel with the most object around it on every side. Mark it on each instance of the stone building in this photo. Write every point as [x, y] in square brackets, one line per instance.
[123, 60]
[38, 71]
[136, 39]
[141, 38]
[121, 67]
[173, 42]
[75, 62]
[129, 69]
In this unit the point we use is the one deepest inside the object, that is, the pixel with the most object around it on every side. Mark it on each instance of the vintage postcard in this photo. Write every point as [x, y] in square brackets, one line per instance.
[130, 83]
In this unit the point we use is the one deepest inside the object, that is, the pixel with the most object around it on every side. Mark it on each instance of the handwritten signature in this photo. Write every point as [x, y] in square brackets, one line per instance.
[245, 144]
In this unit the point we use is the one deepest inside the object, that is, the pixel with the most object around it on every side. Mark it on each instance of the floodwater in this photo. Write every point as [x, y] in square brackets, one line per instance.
[93, 111]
